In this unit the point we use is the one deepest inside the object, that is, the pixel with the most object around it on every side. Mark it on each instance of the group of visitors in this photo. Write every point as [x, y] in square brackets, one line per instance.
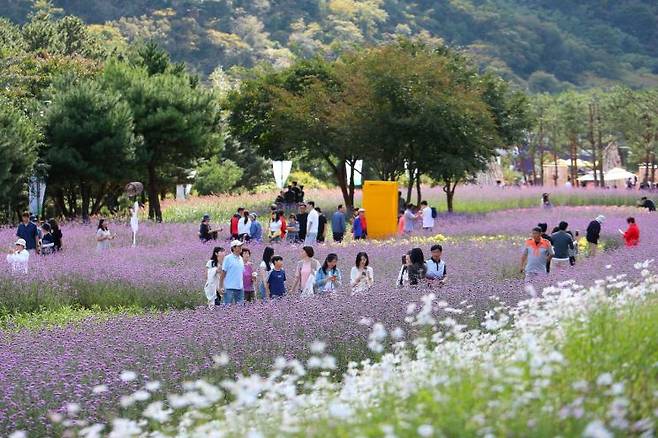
[412, 215]
[308, 225]
[291, 198]
[233, 279]
[543, 252]
[33, 237]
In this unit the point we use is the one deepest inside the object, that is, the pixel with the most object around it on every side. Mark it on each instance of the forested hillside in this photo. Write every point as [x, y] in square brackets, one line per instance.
[546, 45]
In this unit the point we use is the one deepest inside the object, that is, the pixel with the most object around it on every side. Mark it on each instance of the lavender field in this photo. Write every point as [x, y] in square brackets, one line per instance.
[178, 339]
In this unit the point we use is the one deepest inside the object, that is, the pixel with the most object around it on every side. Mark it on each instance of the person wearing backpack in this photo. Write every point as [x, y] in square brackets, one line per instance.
[428, 214]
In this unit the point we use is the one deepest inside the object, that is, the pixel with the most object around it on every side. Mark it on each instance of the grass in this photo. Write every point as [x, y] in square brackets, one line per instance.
[61, 316]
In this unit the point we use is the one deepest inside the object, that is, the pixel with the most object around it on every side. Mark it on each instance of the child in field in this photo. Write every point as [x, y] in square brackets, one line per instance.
[249, 276]
[277, 278]
[292, 229]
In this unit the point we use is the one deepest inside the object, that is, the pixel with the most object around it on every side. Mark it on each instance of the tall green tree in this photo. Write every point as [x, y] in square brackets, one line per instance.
[90, 142]
[176, 122]
[19, 139]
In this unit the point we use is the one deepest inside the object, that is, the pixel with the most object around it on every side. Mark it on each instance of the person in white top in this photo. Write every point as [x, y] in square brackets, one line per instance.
[312, 223]
[361, 276]
[212, 275]
[436, 268]
[19, 257]
[244, 227]
[275, 227]
[103, 236]
[428, 220]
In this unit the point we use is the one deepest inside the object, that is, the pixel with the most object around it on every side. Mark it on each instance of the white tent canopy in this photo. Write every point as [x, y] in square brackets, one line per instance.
[614, 174]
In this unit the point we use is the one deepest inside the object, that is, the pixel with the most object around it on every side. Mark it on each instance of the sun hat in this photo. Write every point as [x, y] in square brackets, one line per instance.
[21, 242]
[235, 243]
[600, 218]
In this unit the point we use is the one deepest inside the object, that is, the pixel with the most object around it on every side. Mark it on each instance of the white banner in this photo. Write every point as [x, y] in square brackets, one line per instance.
[281, 171]
[37, 191]
[358, 167]
[180, 192]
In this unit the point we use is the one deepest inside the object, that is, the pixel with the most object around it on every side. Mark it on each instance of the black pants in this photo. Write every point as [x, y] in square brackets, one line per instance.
[338, 237]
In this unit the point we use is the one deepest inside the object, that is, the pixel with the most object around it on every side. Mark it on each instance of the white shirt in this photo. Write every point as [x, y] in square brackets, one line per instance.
[435, 270]
[428, 220]
[365, 281]
[212, 281]
[312, 222]
[244, 228]
[105, 243]
[18, 260]
[275, 227]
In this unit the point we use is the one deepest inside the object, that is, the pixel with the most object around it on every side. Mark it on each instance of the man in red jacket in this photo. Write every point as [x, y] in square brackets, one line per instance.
[632, 234]
[234, 223]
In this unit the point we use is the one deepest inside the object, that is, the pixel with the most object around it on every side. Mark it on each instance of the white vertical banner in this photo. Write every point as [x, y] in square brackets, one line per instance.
[134, 221]
[358, 167]
[36, 191]
[281, 171]
[180, 192]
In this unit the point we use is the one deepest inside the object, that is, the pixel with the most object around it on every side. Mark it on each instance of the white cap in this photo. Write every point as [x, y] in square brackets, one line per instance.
[362, 210]
[21, 242]
[236, 243]
[600, 218]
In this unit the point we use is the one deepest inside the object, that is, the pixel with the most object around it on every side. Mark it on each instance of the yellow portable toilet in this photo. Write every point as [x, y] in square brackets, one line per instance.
[380, 200]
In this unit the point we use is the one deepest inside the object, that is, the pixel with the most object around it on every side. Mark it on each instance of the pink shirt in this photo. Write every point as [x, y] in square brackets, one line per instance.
[307, 268]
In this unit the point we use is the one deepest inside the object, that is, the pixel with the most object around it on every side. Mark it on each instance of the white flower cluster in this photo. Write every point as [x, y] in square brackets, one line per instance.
[515, 351]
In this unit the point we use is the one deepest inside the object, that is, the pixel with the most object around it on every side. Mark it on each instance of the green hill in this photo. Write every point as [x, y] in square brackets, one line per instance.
[546, 45]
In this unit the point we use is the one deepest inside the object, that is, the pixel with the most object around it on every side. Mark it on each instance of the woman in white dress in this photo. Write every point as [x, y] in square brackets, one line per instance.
[103, 236]
[362, 276]
[213, 267]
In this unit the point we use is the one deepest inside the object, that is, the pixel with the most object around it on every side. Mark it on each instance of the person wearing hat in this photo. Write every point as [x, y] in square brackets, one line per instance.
[594, 233]
[18, 257]
[28, 231]
[360, 226]
[205, 231]
[231, 278]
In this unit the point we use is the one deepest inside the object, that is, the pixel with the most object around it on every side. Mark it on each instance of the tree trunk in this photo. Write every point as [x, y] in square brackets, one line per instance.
[541, 151]
[574, 159]
[600, 146]
[154, 200]
[593, 143]
[418, 192]
[555, 176]
[653, 167]
[85, 193]
[60, 203]
[98, 203]
[410, 183]
[449, 190]
[340, 174]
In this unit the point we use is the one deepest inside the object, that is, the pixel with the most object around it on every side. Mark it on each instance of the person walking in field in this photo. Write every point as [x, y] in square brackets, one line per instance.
[428, 216]
[537, 253]
[360, 226]
[277, 279]
[322, 225]
[594, 234]
[328, 278]
[563, 246]
[632, 233]
[213, 267]
[29, 232]
[231, 277]
[302, 218]
[338, 224]
[312, 225]
[362, 276]
[249, 276]
[307, 267]
[264, 270]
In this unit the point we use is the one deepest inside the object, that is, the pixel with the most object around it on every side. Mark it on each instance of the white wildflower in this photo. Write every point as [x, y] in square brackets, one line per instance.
[126, 401]
[397, 333]
[93, 431]
[99, 389]
[72, 409]
[604, 379]
[314, 362]
[123, 427]
[318, 347]
[426, 430]
[596, 429]
[56, 417]
[141, 395]
[221, 359]
[255, 434]
[156, 411]
[339, 410]
[18, 434]
[128, 376]
[152, 386]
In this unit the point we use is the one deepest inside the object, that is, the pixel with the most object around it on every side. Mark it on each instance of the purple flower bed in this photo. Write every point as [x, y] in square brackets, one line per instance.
[41, 371]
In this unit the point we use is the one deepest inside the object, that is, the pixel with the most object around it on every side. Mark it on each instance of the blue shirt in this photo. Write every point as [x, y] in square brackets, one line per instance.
[29, 233]
[233, 266]
[256, 231]
[277, 280]
[338, 222]
[320, 279]
[358, 229]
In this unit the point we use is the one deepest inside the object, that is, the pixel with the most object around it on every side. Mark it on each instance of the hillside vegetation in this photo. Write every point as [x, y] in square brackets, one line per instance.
[545, 45]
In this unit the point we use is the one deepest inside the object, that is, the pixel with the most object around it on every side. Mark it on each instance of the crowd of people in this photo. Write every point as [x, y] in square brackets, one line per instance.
[543, 252]
[232, 277]
[34, 237]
